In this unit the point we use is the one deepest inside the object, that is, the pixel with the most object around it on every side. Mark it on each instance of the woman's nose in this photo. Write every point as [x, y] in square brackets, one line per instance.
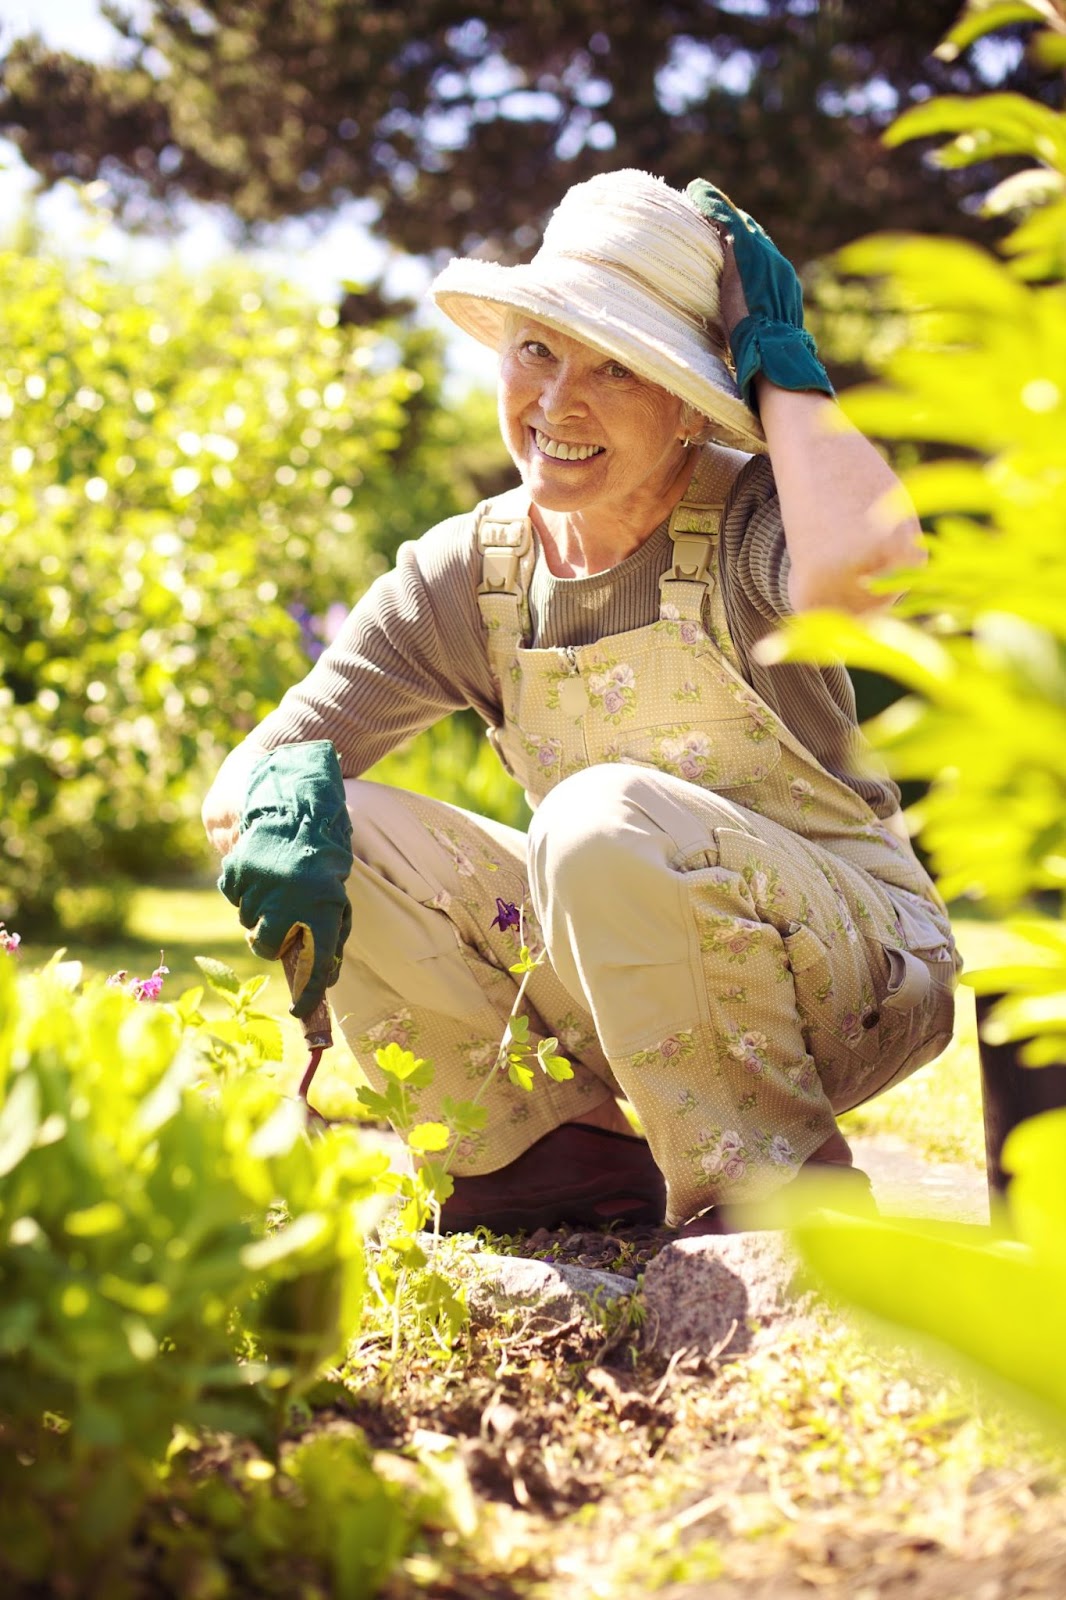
[561, 395]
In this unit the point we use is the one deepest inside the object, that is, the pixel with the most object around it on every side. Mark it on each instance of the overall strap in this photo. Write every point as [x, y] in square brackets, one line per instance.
[505, 540]
[684, 586]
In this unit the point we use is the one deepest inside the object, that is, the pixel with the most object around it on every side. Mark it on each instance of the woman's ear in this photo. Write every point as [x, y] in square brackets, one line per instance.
[692, 426]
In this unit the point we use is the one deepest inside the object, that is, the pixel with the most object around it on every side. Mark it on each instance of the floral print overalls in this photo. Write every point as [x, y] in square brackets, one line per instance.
[736, 941]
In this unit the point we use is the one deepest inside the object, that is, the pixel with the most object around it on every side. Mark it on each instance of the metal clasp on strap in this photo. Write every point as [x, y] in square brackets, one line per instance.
[503, 544]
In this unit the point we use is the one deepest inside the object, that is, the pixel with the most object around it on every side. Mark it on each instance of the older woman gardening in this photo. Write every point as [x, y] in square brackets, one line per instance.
[739, 938]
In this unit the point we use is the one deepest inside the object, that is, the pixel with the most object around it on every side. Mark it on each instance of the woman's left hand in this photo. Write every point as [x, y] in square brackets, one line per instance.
[732, 302]
[768, 338]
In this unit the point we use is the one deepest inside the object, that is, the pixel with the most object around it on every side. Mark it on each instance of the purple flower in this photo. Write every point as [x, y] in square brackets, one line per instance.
[507, 916]
[316, 632]
[309, 639]
[9, 941]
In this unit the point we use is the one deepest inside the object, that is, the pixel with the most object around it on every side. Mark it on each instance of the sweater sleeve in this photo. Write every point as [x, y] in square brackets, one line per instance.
[411, 651]
[754, 540]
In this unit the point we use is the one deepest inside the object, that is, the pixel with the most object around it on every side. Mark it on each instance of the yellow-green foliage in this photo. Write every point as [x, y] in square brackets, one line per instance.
[983, 372]
[182, 461]
[149, 1277]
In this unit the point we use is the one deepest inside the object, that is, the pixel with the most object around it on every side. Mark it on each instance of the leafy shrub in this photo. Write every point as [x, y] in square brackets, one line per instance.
[983, 373]
[151, 1277]
[454, 761]
[184, 460]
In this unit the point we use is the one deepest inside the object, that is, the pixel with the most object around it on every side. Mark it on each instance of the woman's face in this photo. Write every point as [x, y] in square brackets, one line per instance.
[583, 431]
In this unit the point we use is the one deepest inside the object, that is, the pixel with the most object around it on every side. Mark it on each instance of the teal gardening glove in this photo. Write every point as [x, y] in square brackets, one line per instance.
[287, 872]
[771, 339]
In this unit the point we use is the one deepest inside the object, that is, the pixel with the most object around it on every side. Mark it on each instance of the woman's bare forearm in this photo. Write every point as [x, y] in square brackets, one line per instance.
[846, 515]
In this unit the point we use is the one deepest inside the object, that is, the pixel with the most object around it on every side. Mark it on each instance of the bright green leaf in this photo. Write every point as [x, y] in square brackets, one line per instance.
[427, 1136]
[221, 978]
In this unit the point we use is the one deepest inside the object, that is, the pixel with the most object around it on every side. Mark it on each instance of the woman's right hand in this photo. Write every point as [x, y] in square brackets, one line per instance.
[288, 866]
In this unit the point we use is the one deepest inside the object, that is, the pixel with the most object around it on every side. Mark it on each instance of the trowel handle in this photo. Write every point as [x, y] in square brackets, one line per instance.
[318, 1029]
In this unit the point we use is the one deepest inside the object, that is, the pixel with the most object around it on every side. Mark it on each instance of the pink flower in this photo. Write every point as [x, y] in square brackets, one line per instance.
[149, 988]
[140, 988]
[670, 1047]
[734, 1168]
[689, 632]
[9, 941]
[613, 701]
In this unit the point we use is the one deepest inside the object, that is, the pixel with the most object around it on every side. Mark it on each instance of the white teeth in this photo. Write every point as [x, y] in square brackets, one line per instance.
[565, 452]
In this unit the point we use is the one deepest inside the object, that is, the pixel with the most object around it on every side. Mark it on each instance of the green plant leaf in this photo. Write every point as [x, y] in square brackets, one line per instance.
[557, 1067]
[20, 1118]
[997, 1306]
[427, 1136]
[463, 1115]
[981, 17]
[291, 1239]
[404, 1066]
[990, 125]
[221, 978]
[521, 1076]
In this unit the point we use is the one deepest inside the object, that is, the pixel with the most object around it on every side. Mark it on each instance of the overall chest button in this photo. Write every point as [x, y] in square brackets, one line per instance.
[573, 697]
[870, 1019]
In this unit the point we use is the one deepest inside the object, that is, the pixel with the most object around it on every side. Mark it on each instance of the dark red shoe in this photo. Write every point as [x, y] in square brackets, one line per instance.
[575, 1174]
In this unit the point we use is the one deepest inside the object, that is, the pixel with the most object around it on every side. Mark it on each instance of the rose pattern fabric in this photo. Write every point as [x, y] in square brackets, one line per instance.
[399, 1029]
[616, 688]
[687, 755]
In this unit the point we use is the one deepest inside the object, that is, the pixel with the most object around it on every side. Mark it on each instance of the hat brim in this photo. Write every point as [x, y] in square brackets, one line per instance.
[606, 310]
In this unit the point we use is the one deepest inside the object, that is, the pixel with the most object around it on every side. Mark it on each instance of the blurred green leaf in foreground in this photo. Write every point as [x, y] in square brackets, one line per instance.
[982, 372]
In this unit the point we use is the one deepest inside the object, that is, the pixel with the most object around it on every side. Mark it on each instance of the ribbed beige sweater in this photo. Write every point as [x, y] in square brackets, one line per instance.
[413, 648]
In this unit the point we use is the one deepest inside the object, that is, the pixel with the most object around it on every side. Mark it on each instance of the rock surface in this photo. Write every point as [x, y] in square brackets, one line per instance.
[720, 1295]
[559, 1293]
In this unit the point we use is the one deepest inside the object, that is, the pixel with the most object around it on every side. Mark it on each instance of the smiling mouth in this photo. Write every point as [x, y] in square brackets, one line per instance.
[565, 452]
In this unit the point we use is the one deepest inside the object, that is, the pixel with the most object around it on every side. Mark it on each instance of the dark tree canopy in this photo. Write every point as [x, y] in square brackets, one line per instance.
[464, 124]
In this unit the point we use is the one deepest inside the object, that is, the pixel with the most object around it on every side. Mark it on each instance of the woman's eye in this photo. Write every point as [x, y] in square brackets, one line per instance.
[615, 369]
[534, 347]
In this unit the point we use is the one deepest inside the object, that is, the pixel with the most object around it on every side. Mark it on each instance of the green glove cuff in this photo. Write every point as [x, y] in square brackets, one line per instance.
[781, 352]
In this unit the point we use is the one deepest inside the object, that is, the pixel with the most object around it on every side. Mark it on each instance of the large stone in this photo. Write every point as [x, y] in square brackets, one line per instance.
[720, 1294]
[552, 1290]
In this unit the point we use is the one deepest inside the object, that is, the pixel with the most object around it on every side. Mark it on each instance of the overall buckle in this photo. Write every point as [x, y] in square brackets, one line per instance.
[503, 544]
[693, 530]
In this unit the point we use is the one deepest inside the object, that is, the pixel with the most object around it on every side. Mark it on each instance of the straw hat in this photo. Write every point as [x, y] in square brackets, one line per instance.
[629, 266]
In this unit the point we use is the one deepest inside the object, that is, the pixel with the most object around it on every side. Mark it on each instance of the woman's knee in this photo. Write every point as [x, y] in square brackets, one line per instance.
[605, 818]
[375, 810]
